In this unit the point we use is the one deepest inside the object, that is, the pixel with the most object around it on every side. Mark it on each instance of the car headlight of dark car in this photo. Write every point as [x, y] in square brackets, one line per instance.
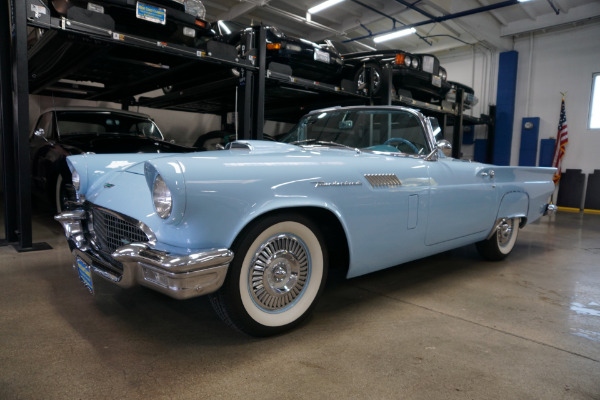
[415, 63]
[407, 60]
[195, 8]
[161, 197]
[443, 74]
[293, 47]
[276, 32]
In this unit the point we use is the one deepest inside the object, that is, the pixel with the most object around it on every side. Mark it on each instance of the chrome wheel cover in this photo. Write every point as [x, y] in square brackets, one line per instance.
[279, 272]
[505, 232]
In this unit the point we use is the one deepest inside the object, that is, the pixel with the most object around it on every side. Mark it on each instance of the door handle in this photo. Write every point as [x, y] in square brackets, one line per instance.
[491, 173]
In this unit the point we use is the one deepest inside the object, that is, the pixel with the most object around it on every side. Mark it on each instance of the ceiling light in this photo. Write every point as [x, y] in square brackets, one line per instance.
[394, 35]
[322, 6]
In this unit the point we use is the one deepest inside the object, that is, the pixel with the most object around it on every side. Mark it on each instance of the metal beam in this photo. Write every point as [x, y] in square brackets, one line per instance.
[6, 137]
[446, 17]
[20, 129]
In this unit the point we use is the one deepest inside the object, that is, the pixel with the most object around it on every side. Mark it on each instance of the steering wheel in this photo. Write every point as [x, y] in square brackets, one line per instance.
[401, 140]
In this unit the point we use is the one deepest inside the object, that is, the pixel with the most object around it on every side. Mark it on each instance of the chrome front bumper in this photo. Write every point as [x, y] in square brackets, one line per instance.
[180, 276]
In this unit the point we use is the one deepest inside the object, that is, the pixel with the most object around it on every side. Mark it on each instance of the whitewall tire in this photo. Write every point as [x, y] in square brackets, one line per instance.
[278, 272]
[501, 243]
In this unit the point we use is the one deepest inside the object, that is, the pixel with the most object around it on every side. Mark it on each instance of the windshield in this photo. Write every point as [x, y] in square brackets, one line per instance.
[351, 47]
[229, 27]
[98, 122]
[377, 130]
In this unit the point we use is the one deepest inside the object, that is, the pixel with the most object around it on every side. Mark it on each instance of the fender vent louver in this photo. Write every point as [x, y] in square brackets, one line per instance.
[383, 180]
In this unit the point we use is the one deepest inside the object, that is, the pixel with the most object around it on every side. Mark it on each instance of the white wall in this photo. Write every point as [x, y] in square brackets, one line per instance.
[563, 61]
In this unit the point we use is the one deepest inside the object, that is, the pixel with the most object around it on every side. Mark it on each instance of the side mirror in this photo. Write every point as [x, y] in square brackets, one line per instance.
[442, 145]
[40, 133]
[343, 125]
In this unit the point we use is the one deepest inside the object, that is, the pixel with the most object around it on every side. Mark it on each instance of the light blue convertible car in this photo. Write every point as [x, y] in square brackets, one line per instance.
[257, 225]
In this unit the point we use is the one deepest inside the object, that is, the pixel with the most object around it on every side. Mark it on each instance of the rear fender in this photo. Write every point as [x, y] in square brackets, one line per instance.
[514, 205]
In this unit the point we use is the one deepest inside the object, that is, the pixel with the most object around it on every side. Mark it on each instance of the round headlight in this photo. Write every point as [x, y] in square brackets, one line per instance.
[407, 61]
[415, 63]
[76, 180]
[443, 74]
[195, 8]
[161, 196]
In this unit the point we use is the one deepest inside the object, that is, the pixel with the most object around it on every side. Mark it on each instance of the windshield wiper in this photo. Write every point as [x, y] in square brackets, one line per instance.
[323, 142]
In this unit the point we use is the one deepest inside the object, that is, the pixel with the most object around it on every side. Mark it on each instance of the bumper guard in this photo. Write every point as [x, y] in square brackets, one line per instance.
[180, 276]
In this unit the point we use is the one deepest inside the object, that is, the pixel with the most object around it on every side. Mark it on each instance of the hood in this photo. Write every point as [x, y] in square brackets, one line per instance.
[95, 169]
[119, 143]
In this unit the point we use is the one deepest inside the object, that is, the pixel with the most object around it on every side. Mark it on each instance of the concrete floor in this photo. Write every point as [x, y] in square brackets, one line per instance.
[449, 326]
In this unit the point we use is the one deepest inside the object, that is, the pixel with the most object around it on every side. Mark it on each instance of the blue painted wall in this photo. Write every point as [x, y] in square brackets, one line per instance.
[505, 106]
[546, 152]
[529, 141]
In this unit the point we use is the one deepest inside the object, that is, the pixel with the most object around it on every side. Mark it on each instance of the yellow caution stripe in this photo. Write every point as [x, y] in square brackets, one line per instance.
[588, 211]
[569, 209]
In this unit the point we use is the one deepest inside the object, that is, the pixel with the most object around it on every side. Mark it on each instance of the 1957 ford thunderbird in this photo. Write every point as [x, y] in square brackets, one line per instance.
[257, 225]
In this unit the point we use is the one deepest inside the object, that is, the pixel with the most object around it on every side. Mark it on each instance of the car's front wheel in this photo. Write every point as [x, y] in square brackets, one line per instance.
[277, 274]
[502, 241]
[63, 193]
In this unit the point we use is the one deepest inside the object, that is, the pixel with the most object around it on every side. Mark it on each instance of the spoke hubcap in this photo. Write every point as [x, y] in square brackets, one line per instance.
[505, 232]
[279, 272]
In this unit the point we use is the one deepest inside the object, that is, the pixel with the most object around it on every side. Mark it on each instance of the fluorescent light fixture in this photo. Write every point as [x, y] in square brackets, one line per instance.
[394, 35]
[523, 1]
[322, 6]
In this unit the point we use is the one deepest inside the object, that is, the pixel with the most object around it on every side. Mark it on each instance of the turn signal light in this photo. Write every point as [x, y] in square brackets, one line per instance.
[200, 23]
[400, 59]
[274, 46]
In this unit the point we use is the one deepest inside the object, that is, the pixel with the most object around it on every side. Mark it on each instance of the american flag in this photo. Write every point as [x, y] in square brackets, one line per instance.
[562, 138]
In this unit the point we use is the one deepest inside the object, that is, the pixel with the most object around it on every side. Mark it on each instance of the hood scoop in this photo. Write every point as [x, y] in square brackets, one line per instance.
[261, 146]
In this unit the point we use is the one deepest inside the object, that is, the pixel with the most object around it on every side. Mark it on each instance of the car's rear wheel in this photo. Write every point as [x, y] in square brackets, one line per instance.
[277, 274]
[502, 241]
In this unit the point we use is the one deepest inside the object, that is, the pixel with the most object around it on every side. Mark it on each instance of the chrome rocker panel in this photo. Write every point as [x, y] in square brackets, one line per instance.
[179, 276]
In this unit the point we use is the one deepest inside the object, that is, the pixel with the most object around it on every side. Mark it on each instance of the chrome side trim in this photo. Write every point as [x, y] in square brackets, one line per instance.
[497, 225]
[383, 180]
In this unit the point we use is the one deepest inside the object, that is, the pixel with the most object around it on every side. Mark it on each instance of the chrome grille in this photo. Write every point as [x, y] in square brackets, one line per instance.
[112, 231]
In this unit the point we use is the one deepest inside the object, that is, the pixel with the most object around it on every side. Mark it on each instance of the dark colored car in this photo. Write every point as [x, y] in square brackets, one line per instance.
[60, 132]
[418, 74]
[307, 60]
[469, 98]
[166, 20]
